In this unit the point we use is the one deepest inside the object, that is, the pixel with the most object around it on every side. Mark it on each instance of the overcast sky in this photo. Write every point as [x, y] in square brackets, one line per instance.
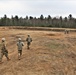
[37, 7]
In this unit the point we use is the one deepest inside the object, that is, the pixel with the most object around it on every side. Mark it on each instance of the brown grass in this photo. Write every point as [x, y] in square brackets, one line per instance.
[51, 53]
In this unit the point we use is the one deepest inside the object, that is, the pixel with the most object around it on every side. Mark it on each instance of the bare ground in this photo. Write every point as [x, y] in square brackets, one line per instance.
[51, 53]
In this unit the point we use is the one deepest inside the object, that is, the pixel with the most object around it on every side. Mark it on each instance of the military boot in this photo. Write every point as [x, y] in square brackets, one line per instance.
[8, 59]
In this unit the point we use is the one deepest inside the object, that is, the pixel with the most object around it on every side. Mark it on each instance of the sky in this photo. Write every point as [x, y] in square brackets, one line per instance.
[35, 8]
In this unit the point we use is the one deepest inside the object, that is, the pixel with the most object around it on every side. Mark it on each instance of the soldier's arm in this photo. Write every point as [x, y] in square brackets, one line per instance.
[31, 39]
[4, 45]
[5, 48]
[22, 44]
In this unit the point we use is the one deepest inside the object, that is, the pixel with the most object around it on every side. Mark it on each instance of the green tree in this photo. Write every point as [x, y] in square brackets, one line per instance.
[42, 17]
[70, 16]
[16, 20]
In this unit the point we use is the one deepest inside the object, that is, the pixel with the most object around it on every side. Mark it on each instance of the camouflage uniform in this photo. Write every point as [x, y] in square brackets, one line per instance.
[66, 31]
[20, 44]
[28, 40]
[3, 51]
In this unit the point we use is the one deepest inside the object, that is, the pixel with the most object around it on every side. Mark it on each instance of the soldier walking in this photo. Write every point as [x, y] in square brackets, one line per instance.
[66, 31]
[28, 40]
[20, 44]
[3, 51]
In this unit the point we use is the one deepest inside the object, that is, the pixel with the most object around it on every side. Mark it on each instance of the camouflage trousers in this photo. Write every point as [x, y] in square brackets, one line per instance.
[2, 54]
[20, 52]
[28, 45]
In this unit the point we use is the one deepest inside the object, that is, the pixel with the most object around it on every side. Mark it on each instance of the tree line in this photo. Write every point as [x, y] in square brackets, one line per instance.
[66, 22]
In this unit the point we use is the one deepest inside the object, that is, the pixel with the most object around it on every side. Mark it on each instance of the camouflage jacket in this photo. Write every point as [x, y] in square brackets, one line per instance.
[20, 44]
[3, 47]
[29, 39]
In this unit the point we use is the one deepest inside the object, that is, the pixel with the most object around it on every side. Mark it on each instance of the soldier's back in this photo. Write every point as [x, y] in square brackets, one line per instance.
[19, 44]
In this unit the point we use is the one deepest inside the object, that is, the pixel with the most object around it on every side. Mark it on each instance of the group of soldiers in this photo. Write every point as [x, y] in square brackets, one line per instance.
[20, 44]
[67, 31]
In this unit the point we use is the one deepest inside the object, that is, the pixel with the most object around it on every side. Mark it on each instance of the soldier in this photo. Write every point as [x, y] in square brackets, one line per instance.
[4, 51]
[28, 40]
[66, 31]
[20, 44]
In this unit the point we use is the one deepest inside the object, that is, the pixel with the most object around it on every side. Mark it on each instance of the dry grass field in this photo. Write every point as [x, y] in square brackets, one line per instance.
[51, 53]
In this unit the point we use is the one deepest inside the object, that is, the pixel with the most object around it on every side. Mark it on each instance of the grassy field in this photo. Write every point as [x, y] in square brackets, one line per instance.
[51, 53]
